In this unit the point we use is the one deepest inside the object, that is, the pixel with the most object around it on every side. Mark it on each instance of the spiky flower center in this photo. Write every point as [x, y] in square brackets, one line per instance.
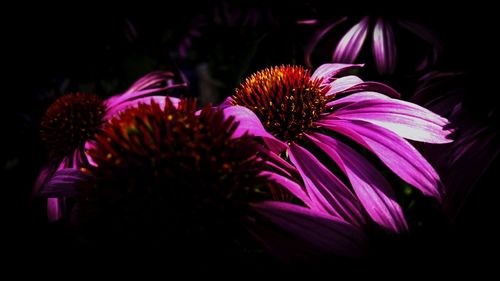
[285, 99]
[71, 121]
[175, 147]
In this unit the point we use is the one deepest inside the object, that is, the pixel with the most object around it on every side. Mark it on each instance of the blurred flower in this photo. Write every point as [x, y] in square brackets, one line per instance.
[71, 122]
[293, 111]
[463, 163]
[383, 43]
[171, 176]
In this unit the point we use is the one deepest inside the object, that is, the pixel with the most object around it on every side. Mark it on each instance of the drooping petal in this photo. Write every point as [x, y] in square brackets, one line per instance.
[149, 85]
[399, 155]
[343, 83]
[54, 209]
[160, 100]
[326, 71]
[65, 183]
[348, 48]
[406, 119]
[384, 47]
[353, 98]
[372, 189]
[317, 37]
[250, 123]
[326, 191]
[326, 234]
[290, 185]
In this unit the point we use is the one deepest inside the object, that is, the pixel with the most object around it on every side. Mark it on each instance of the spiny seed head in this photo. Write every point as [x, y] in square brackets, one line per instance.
[174, 148]
[284, 98]
[71, 121]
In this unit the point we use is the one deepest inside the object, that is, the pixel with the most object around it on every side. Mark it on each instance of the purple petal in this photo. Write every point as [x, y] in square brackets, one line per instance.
[399, 155]
[372, 189]
[326, 191]
[324, 233]
[65, 183]
[250, 123]
[403, 118]
[343, 84]
[290, 185]
[384, 47]
[54, 209]
[350, 45]
[113, 111]
[317, 37]
[353, 98]
[149, 85]
[326, 71]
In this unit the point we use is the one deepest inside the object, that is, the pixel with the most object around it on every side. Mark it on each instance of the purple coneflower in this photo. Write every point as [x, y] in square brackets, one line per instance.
[71, 122]
[176, 175]
[381, 31]
[292, 110]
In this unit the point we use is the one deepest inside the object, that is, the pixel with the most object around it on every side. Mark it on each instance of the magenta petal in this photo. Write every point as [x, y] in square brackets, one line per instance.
[325, 233]
[372, 189]
[65, 183]
[353, 98]
[250, 123]
[290, 185]
[326, 191]
[399, 155]
[343, 84]
[350, 45]
[54, 209]
[406, 119]
[384, 47]
[317, 37]
[113, 111]
[328, 70]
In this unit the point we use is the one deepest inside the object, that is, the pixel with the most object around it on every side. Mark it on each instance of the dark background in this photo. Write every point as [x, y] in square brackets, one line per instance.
[88, 48]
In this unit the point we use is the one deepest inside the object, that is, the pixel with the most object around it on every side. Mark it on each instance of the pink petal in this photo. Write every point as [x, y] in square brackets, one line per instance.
[326, 191]
[328, 70]
[406, 119]
[372, 189]
[113, 111]
[326, 234]
[290, 185]
[343, 84]
[350, 45]
[54, 209]
[354, 98]
[65, 183]
[400, 156]
[384, 47]
[250, 123]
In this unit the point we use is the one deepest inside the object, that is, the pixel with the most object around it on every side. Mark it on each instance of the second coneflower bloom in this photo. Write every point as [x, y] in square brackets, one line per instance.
[70, 124]
[293, 110]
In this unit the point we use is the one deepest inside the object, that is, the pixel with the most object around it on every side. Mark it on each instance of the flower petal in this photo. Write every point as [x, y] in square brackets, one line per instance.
[399, 155]
[348, 48]
[326, 191]
[384, 47]
[250, 123]
[65, 183]
[328, 70]
[324, 233]
[290, 185]
[54, 209]
[160, 100]
[372, 189]
[406, 119]
[343, 84]
[150, 84]
[317, 37]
